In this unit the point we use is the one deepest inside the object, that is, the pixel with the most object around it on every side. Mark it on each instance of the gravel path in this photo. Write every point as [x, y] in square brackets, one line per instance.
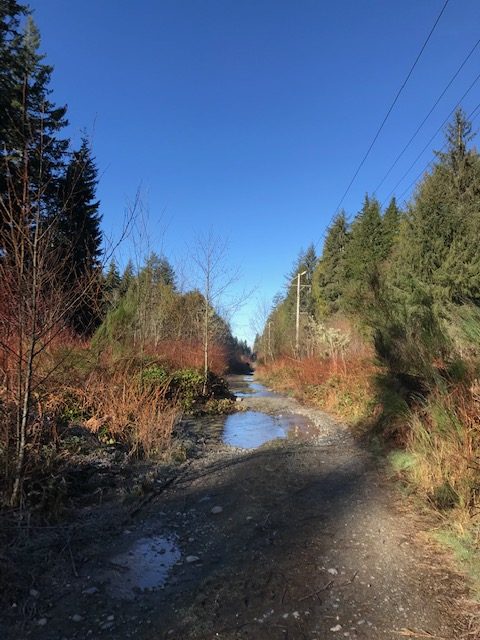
[299, 539]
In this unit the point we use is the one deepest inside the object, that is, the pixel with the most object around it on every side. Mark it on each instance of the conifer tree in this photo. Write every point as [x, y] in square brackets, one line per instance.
[439, 252]
[329, 279]
[363, 254]
[79, 235]
[127, 278]
[111, 285]
[10, 14]
[390, 226]
[159, 270]
[10, 40]
[79, 218]
[32, 142]
[307, 262]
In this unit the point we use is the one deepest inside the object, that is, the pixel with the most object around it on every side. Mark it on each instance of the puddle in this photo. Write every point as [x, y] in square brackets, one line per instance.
[250, 429]
[245, 387]
[145, 566]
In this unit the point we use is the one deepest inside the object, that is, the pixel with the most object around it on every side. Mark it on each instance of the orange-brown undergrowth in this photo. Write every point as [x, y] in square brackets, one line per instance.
[343, 387]
[74, 384]
[181, 354]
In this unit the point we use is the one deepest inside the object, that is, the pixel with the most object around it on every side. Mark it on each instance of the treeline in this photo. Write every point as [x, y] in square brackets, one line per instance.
[128, 351]
[401, 277]
[400, 287]
[145, 310]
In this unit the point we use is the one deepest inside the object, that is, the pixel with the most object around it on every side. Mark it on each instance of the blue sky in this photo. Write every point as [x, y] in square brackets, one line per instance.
[249, 117]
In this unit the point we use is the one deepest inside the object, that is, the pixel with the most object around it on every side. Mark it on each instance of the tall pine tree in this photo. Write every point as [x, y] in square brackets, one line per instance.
[330, 275]
[363, 254]
[79, 236]
[439, 251]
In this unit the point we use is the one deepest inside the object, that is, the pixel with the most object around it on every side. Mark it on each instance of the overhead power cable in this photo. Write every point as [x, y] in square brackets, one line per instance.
[392, 106]
[452, 79]
[470, 116]
[476, 79]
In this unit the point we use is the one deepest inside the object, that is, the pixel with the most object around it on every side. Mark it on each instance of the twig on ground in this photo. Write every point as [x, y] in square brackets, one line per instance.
[410, 633]
[315, 593]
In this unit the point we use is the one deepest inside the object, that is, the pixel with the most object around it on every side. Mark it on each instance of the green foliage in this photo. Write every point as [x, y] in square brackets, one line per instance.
[401, 461]
[363, 255]
[330, 276]
[79, 234]
[219, 406]
[183, 385]
[155, 374]
[391, 227]
[410, 281]
[439, 250]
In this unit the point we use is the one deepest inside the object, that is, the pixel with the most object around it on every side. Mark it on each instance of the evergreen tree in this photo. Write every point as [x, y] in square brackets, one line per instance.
[127, 278]
[79, 218]
[111, 285]
[329, 279]
[439, 252]
[160, 270]
[363, 254]
[391, 226]
[10, 14]
[10, 40]
[33, 141]
[79, 235]
[306, 264]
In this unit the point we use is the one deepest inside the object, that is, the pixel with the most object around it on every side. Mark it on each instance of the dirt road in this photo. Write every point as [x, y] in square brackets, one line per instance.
[298, 539]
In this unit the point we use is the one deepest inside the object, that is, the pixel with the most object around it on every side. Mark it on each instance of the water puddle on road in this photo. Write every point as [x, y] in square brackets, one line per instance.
[246, 387]
[144, 567]
[250, 429]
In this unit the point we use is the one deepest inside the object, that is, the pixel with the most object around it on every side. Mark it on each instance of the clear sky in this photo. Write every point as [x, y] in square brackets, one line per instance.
[250, 117]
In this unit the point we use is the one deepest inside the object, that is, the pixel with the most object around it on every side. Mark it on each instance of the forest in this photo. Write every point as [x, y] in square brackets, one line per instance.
[124, 351]
[389, 330]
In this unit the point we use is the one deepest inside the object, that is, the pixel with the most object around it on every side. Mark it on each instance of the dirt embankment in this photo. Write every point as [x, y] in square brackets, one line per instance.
[301, 538]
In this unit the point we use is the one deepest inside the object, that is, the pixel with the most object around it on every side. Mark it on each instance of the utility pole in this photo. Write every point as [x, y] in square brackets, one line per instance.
[297, 320]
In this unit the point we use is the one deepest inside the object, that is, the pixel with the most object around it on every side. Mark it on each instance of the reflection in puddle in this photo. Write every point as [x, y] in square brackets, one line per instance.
[251, 429]
[245, 387]
[144, 566]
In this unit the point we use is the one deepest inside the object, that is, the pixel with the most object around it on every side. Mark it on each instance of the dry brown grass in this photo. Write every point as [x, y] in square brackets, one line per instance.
[182, 354]
[444, 442]
[121, 409]
[342, 387]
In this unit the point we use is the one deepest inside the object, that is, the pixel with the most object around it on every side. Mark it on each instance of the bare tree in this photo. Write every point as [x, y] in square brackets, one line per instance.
[261, 325]
[40, 291]
[215, 279]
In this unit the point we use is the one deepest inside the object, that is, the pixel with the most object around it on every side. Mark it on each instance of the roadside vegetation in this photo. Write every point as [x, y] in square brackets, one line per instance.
[97, 363]
[389, 335]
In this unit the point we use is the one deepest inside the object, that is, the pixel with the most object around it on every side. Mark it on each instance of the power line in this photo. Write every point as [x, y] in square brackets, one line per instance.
[392, 106]
[476, 79]
[470, 116]
[428, 115]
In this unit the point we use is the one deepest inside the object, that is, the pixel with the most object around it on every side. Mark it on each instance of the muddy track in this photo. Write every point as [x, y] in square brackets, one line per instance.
[309, 541]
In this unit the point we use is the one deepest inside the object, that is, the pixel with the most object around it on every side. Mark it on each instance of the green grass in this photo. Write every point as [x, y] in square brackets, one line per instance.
[401, 461]
[465, 552]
